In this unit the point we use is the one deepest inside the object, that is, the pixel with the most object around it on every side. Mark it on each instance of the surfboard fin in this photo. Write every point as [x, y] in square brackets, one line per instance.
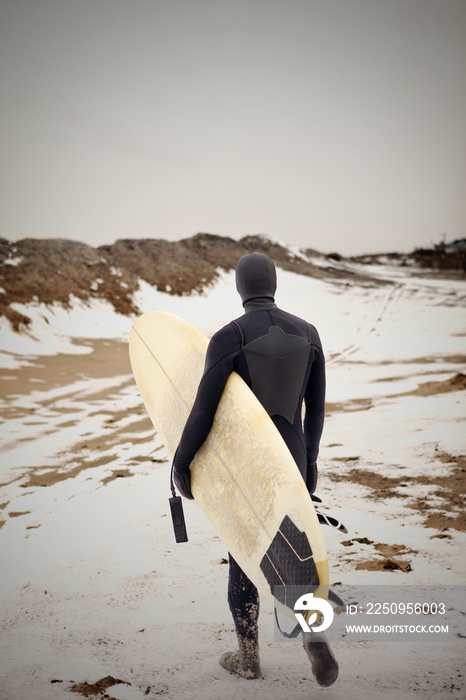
[335, 598]
[330, 520]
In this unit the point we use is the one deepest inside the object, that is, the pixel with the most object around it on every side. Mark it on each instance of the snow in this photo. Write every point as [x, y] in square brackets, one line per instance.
[14, 262]
[55, 329]
[93, 583]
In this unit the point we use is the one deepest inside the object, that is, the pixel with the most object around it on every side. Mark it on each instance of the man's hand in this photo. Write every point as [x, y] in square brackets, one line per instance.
[311, 477]
[182, 479]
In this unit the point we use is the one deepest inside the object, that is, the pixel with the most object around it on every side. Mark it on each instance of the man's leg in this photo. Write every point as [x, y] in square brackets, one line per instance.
[243, 599]
[323, 662]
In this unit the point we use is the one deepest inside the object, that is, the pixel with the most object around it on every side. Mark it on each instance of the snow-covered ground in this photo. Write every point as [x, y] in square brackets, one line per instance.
[92, 582]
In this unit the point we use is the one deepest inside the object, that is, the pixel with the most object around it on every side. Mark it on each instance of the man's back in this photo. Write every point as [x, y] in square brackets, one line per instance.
[280, 357]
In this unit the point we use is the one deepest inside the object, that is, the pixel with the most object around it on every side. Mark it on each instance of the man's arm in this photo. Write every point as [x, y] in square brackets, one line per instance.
[219, 364]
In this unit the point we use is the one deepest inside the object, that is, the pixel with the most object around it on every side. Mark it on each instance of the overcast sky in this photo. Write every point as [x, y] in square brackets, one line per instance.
[332, 124]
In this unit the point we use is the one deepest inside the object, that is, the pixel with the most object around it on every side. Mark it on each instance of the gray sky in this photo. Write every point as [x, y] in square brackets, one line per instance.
[333, 124]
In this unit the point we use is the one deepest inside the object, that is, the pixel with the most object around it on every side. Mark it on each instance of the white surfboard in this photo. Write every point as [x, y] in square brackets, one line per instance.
[243, 477]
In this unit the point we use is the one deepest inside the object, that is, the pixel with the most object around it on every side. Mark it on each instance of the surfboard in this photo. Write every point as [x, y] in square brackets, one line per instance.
[243, 477]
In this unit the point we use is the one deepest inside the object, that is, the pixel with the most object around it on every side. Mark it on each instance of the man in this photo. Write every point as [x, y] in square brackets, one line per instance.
[280, 357]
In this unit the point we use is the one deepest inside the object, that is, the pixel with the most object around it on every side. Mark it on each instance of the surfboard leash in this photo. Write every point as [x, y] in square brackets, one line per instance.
[176, 509]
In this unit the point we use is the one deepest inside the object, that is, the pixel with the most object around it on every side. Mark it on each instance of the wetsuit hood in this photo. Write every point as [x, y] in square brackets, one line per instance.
[256, 280]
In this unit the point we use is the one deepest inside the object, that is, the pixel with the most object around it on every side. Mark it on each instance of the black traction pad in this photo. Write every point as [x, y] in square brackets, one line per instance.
[288, 565]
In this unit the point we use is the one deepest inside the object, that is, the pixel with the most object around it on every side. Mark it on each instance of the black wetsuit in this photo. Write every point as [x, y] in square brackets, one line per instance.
[280, 357]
